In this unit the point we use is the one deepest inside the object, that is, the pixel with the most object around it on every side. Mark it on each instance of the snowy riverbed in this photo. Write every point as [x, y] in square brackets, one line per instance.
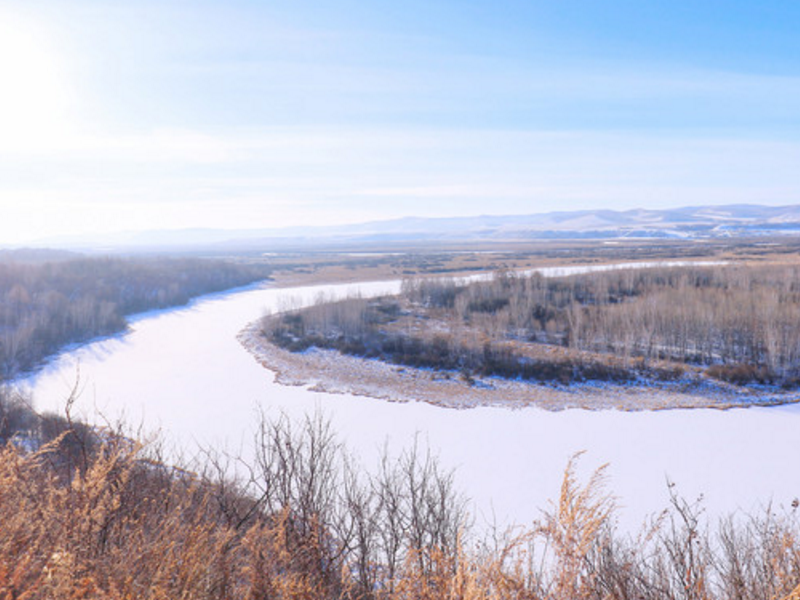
[184, 372]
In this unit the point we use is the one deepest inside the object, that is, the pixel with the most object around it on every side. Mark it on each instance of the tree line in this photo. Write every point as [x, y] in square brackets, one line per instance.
[739, 323]
[45, 305]
[91, 513]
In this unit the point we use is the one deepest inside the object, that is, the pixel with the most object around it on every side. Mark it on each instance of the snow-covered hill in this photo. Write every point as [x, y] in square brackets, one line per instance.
[694, 222]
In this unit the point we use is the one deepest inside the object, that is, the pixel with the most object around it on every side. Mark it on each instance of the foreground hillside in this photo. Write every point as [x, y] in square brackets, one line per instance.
[93, 514]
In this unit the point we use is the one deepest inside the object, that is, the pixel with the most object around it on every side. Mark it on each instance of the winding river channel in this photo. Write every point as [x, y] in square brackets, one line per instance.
[183, 372]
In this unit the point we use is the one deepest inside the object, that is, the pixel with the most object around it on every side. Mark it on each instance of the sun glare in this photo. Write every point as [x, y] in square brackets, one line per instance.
[33, 87]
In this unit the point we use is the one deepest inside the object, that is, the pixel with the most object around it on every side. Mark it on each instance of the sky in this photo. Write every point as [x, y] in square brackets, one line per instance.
[169, 114]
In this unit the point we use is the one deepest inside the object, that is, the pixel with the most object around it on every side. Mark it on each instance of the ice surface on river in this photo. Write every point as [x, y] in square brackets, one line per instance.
[183, 371]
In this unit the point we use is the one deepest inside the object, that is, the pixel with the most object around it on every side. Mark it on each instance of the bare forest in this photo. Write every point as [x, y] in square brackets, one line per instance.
[736, 323]
[45, 305]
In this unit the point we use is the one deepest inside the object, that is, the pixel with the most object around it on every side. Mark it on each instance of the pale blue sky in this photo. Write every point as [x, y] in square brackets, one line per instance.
[167, 114]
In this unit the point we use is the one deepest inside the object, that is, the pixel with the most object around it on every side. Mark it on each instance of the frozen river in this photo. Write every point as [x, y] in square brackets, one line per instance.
[184, 373]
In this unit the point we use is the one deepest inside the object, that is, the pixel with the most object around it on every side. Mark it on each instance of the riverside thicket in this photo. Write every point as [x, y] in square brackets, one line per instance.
[45, 305]
[737, 323]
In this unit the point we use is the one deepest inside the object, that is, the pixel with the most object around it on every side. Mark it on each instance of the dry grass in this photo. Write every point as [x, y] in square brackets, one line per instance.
[115, 523]
[126, 528]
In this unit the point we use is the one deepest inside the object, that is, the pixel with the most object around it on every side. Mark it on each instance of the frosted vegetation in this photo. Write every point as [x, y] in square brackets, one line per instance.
[735, 323]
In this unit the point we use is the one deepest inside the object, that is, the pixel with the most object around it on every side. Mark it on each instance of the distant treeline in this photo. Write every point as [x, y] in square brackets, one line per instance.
[90, 513]
[741, 323]
[45, 305]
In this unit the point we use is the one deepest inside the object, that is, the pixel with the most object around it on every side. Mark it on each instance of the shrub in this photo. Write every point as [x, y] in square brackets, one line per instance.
[741, 374]
[307, 525]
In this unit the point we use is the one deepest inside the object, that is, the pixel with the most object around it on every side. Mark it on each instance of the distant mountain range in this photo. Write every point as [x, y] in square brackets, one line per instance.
[694, 222]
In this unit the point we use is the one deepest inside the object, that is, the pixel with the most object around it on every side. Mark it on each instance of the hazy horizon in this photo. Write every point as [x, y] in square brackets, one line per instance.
[245, 115]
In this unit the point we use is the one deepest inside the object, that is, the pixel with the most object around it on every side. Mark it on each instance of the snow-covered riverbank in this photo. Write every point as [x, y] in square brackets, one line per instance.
[332, 372]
